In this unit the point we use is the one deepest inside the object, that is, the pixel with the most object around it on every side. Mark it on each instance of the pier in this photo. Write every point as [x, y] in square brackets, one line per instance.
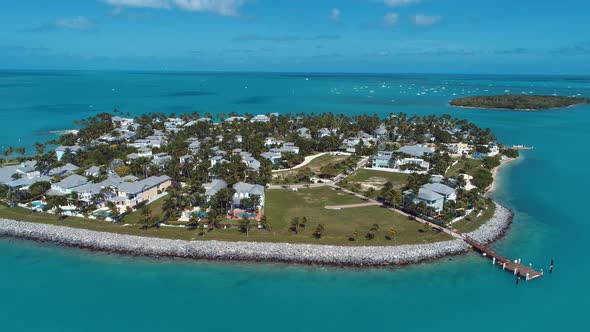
[513, 266]
[522, 147]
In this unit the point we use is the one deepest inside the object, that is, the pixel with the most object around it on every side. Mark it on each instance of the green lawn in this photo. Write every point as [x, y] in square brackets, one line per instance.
[284, 205]
[470, 165]
[314, 166]
[466, 226]
[368, 178]
[135, 217]
[281, 207]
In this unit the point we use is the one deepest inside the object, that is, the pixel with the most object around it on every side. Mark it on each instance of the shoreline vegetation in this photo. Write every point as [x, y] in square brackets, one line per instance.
[316, 189]
[518, 102]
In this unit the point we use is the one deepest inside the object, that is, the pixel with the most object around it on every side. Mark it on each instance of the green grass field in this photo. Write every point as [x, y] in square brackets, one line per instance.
[466, 226]
[314, 166]
[281, 207]
[368, 178]
[469, 165]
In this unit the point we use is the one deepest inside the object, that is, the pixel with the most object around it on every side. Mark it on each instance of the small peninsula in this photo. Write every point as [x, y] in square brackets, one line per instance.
[518, 102]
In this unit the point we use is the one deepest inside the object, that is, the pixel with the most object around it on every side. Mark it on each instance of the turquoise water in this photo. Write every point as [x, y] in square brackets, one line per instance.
[59, 289]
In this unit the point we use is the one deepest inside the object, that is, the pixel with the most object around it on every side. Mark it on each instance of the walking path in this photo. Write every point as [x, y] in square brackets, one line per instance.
[306, 161]
[349, 206]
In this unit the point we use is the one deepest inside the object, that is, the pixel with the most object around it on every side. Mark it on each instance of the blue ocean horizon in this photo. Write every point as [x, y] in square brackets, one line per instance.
[61, 289]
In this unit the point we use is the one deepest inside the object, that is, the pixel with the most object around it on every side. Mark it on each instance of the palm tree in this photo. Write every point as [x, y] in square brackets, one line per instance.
[319, 231]
[245, 225]
[9, 150]
[392, 233]
[146, 216]
[39, 148]
[21, 151]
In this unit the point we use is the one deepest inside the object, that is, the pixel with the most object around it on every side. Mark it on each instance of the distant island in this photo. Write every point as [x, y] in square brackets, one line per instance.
[518, 102]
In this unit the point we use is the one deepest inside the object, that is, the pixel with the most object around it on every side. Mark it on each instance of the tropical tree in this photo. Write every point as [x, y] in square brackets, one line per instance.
[372, 233]
[294, 226]
[146, 216]
[245, 224]
[392, 233]
[319, 231]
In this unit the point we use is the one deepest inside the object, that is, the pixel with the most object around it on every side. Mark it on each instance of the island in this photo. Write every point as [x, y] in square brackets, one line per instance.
[518, 102]
[303, 188]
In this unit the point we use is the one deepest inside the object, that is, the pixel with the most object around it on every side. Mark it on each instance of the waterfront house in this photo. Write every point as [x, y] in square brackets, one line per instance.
[428, 197]
[131, 194]
[246, 190]
[450, 194]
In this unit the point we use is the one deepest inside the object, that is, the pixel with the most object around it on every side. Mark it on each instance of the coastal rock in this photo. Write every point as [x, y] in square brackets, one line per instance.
[254, 251]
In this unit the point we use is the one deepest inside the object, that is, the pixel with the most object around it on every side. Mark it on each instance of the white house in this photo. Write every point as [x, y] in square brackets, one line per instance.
[246, 190]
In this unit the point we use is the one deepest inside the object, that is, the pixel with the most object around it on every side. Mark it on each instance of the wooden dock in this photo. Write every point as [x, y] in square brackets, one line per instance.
[522, 147]
[523, 271]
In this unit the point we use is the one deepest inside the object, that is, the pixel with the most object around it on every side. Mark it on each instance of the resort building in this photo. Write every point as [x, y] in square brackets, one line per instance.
[323, 132]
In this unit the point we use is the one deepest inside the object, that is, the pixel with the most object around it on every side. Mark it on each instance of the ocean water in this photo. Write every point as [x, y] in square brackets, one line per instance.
[46, 288]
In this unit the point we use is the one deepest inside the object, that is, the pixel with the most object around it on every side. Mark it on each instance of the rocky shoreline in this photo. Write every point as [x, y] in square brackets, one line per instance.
[254, 251]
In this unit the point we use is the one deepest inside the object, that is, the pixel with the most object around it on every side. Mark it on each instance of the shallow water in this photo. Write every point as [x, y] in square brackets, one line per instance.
[60, 289]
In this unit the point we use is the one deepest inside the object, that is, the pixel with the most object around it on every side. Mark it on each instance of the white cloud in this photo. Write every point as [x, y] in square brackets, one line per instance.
[76, 23]
[390, 19]
[221, 7]
[335, 14]
[397, 3]
[425, 20]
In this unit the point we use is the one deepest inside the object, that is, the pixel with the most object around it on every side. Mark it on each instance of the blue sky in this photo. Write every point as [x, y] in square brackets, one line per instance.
[397, 36]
